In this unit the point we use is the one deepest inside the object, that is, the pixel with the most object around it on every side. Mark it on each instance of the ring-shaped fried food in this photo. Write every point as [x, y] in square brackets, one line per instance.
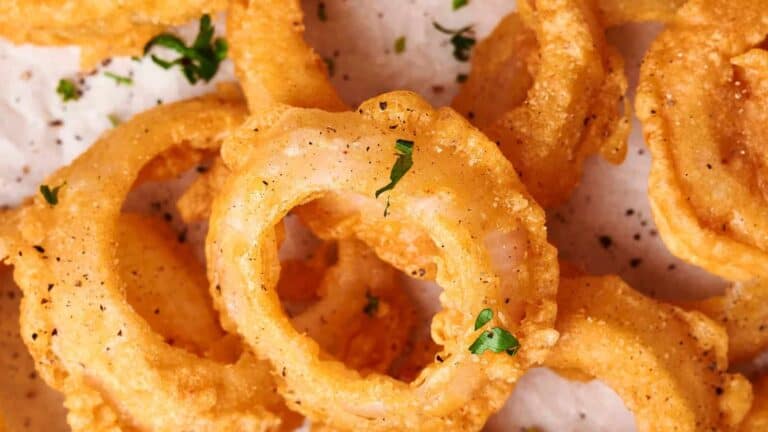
[86, 334]
[549, 90]
[492, 253]
[101, 28]
[668, 365]
[300, 79]
[702, 103]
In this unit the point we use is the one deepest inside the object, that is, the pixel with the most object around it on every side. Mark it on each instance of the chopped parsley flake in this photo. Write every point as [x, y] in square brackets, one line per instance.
[372, 306]
[462, 43]
[68, 90]
[118, 78]
[404, 162]
[400, 45]
[114, 120]
[199, 61]
[458, 4]
[483, 317]
[321, 14]
[330, 65]
[51, 195]
[496, 339]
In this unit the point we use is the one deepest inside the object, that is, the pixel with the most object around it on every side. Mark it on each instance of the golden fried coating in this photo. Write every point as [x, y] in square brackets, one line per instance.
[702, 104]
[743, 312]
[549, 95]
[757, 419]
[669, 366]
[492, 253]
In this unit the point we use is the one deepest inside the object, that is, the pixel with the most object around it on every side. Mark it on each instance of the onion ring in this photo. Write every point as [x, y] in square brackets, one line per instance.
[110, 342]
[549, 95]
[703, 116]
[499, 250]
[668, 365]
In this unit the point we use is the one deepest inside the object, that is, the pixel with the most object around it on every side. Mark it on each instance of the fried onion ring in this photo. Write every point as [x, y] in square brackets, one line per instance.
[86, 335]
[702, 103]
[668, 365]
[492, 252]
[548, 89]
[101, 28]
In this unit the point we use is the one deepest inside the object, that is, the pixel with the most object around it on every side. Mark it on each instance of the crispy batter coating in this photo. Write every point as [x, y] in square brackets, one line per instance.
[492, 252]
[617, 12]
[702, 103]
[86, 335]
[668, 365]
[260, 30]
[549, 90]
[757, 419]
[743, 311]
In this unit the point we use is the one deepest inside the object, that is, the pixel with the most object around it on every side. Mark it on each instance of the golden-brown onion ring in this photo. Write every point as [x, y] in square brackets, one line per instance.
[668, 365]
[492, 254]
[100, 28]
[702, 103]
[300, 79]
[548, 89]
[86, 334]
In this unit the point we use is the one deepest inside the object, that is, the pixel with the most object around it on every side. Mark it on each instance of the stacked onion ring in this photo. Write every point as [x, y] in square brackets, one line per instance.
[491, 253]
[702, 103]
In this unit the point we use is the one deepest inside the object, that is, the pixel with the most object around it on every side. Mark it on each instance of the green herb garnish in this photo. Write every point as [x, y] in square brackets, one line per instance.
[496, 339]
[372, 306]
[51, 195]
[119, 79]
[458, 4]
[400, 45]
[114, 120]
[68, 90]
[483, 317]
[462, 44]
[321, 14]
[199, 61]
[404, 162]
